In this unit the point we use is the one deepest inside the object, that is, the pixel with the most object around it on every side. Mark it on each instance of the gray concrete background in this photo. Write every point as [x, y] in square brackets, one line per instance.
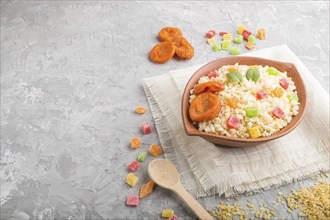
[71, 76]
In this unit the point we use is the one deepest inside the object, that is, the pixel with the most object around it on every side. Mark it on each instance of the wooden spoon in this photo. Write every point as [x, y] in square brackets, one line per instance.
[165, 174]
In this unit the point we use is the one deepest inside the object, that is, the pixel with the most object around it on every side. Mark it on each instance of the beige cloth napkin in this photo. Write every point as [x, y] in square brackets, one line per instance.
[207, 169]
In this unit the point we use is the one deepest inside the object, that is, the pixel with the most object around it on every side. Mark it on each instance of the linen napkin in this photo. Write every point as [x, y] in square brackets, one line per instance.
[207, 169]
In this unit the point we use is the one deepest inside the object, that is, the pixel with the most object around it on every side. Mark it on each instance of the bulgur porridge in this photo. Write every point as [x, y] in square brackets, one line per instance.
[243, 101]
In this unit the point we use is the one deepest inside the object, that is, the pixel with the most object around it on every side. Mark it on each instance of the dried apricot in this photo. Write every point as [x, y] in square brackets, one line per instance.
[162, 52]
[169, 33]
[204, 106]
[208, 87]
[183, 48]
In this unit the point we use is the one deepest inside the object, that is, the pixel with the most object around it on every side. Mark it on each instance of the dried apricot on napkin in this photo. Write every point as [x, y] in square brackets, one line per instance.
[183, 48]
[169, 33]
[162, 52]
[204, 106]
[208, 87]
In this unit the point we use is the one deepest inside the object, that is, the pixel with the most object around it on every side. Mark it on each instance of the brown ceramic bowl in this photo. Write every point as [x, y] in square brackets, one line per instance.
[240, 142]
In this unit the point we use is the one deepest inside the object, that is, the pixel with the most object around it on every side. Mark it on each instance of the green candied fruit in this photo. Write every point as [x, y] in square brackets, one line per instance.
[225, 45]
[238, 39]
[252, 112]
[216, 47]
[252, 39]
[272, 71]
[293, 96]
[142, 156]
[235, 50]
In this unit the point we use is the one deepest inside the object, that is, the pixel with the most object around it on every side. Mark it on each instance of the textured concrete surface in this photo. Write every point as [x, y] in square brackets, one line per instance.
[70, 79]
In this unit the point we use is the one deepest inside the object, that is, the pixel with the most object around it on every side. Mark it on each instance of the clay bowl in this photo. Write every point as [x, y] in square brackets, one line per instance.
[239, 142]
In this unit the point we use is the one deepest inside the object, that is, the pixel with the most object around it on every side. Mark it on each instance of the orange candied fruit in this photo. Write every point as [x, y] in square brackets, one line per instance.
[155, 150]
[140, 110]
[135, 142]
[233, 102]
[261, 34]
[146, 189]
[278, 92]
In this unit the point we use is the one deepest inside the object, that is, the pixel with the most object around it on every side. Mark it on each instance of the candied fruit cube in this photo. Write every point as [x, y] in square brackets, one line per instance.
[261, 33]
[246, 34]
[235, 50]
[227, 37]
[278, 92]
[278, 112]
[293, 96]
[146, 129]
[252, 112]
[142, 156]
[210, 33]
[155, 150]
[238, 39]
[261, 95]
[250, 46]
[211, 41]
[254, 132]
[216, 47]
[213, 74]
[146, 189]
[223, 33]
[232, 122]
[132, 200]
[232, 69]
[240, 29]
[167, 213]
[174, 217]
[135, 142]
[252, 39]
[284, 83]
[132, 179]
[272, 71]
[133, 166]
[225, 45]
[140, 110]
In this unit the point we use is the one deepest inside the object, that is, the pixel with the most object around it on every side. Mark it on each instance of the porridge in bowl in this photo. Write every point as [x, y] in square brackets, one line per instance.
[243, 101]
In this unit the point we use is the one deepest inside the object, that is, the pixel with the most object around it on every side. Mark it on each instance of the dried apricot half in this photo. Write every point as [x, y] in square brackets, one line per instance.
[169, 33]
[162, 52]
[183, 48]
[204, 106]
[208, 87]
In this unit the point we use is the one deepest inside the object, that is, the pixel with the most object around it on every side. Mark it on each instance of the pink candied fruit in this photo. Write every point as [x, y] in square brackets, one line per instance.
[213, 74]
[132, 200]
[133, 166]
[223, 33]
[278, 112]
[146, 129]
[262, 95]
[210, 33]
[232, 122]
[246, 34]
[174, 217]
[284, 83]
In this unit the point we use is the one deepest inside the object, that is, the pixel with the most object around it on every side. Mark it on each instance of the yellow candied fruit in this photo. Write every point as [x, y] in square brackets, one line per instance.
[232, 69]
[227, 37]
[278, 92]
[254, 132]
[167, 213]
[211, 41]
[261, 33]
[132, 179]
[240, 29]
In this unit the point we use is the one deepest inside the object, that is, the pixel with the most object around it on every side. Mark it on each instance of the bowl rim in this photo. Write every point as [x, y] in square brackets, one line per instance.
[191, 130]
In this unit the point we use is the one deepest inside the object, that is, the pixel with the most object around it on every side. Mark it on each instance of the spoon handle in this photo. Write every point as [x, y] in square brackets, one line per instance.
[191, 202]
